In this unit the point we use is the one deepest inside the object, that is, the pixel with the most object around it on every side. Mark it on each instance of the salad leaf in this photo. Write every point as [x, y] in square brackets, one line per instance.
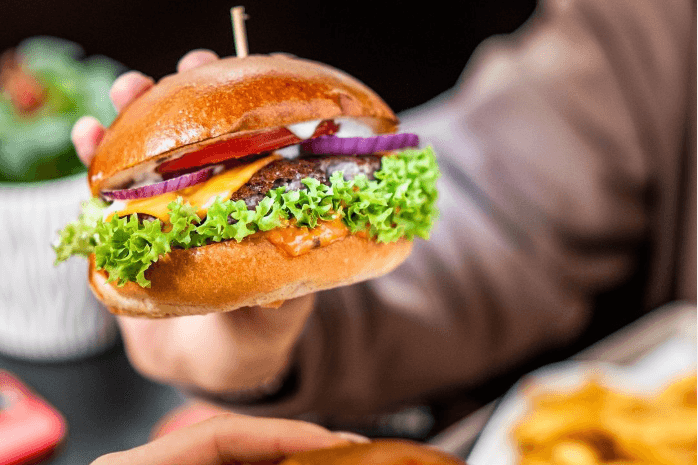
[399, 203]
[37, 146]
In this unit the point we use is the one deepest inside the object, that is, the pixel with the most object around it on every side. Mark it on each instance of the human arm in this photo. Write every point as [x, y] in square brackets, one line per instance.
[557, 150]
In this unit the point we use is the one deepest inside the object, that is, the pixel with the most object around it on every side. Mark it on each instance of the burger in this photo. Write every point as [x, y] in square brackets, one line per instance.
[377, 452]
[249, 181]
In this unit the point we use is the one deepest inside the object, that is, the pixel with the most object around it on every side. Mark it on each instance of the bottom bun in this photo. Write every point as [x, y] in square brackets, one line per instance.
[379, 452]
[229, 275]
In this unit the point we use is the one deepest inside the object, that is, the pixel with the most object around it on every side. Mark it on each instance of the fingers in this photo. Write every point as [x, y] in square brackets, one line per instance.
[88, 132]
[128, 87]
[86, 135]
[229, 438]
[196, 58]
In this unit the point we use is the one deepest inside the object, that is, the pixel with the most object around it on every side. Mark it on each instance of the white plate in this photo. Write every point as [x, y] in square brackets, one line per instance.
[675, 357]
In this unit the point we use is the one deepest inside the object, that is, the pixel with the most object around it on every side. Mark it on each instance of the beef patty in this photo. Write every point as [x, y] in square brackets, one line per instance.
[289, 173]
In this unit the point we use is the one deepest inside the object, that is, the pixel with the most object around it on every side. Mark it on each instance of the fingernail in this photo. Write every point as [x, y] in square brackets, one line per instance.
[196, 58]
[132, 74]
[352, 437]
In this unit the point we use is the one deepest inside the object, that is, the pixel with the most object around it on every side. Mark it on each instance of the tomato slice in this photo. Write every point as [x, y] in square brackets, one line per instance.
[249, 144]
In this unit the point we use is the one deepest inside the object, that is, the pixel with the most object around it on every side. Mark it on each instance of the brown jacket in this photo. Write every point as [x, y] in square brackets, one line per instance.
[568, 159]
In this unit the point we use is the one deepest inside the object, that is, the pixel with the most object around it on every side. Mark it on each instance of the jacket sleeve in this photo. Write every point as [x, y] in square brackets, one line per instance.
[548, 149]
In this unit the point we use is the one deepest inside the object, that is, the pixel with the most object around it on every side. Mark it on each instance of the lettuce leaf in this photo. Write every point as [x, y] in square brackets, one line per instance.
[399, 203]
[78, 237]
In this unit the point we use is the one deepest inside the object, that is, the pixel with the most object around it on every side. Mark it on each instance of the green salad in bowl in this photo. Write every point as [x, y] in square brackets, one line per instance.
[46, 84]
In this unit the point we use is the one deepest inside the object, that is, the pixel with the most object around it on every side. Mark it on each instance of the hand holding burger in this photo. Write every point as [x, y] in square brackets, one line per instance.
[200, 352]
[229, 437]
[249, 181]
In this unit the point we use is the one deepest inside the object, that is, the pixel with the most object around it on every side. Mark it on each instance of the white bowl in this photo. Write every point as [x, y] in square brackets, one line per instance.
[47, 312]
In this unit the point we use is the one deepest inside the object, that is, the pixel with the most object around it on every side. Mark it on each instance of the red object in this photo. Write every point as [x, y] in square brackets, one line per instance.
[24, 89]
[250, 144]
[30, 428]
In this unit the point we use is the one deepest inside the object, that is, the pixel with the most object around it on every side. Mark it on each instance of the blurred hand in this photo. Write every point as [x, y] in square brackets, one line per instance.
[221, 352]
[229, 438]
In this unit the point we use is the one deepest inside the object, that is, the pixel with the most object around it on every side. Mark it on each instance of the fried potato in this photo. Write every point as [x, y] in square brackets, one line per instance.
[598, 425]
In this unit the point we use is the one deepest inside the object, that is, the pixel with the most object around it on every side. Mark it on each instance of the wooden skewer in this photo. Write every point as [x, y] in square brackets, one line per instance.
[238, 16]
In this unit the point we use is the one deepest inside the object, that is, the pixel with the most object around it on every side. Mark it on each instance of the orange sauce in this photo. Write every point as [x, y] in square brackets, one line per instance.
[296, 240]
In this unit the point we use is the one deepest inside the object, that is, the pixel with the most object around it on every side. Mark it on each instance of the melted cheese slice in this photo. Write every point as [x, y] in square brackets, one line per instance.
[201, 195]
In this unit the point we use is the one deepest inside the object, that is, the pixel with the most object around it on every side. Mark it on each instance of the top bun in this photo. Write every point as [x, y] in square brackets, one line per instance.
[377, 452]
[228, 97]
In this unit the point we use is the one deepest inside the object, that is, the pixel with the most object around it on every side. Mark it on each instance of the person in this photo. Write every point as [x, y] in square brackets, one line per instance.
[567, 200]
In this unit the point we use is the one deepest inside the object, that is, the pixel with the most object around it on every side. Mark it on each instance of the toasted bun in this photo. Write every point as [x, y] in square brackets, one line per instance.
[228, 275]
[225, 98]
[214, 102]
[378, 452]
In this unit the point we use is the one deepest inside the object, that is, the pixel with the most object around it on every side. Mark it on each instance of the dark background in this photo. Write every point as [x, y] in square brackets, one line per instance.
[408, 52]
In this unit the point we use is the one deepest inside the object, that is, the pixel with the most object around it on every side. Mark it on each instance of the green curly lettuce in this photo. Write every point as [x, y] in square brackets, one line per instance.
[399, 203]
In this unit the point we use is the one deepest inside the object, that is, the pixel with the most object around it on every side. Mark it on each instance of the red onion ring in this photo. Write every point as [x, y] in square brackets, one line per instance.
[360, 145]
[174, 184]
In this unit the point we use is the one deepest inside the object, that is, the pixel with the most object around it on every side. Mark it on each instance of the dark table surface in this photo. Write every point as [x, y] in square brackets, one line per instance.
[108, 406]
